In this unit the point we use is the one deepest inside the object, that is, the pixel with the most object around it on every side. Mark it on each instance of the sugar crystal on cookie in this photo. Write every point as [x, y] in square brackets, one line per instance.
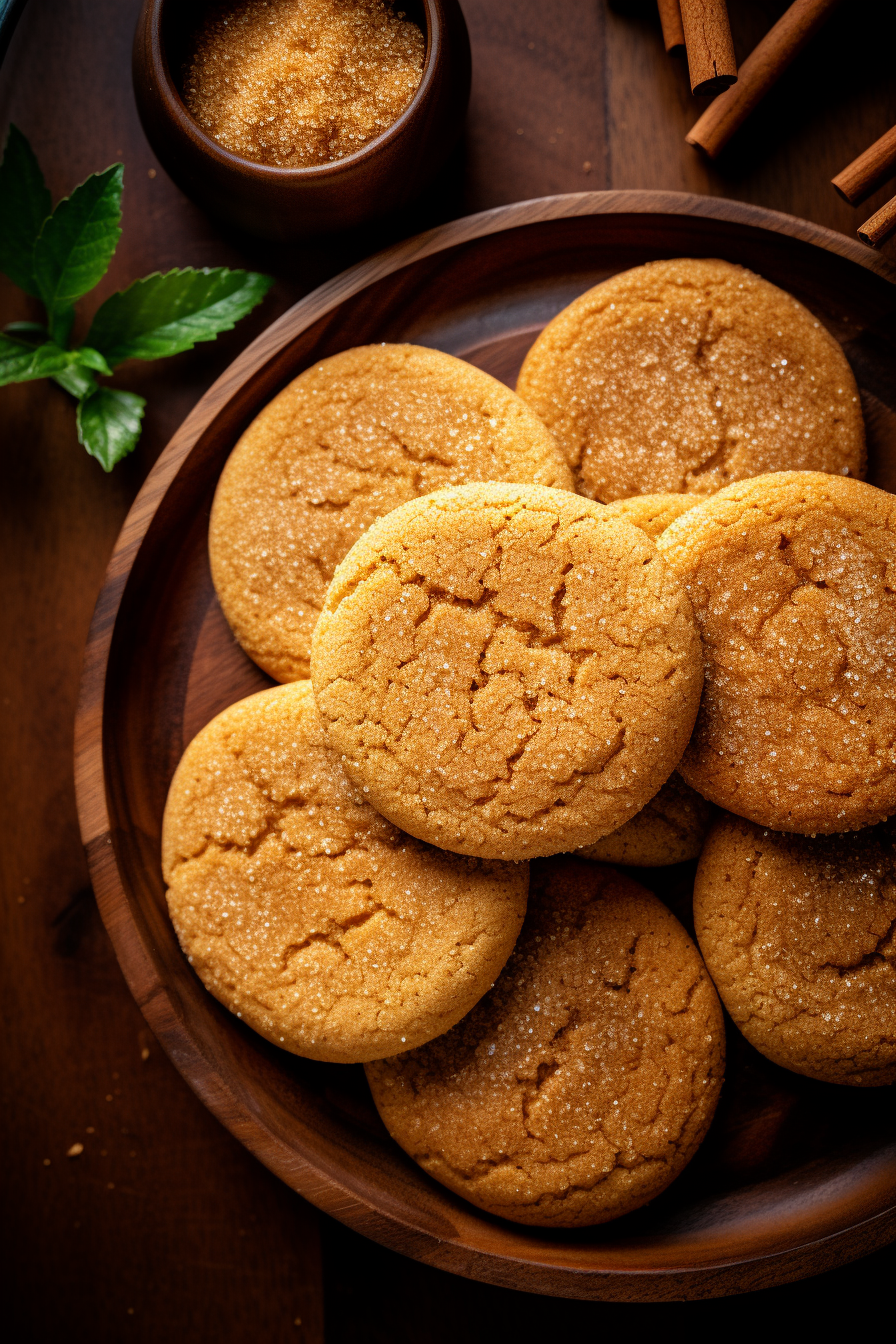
[798, 934]
[560, 1100]
[792, 580]
[300, 907]
[686, 375]
[536, 680]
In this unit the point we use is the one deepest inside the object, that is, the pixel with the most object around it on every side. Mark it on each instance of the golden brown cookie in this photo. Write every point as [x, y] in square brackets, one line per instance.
[506, 670]
[687, 375]
[793, 581]
[307, 914]
[583, 1083]
[798, 935]
[351, 438]
[652, 513]
[670, 829]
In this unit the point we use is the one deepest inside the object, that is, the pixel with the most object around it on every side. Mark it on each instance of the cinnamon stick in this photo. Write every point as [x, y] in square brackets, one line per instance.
[879, 227]
[707, 36]
[869, 171]
[673, 32]
[765, 64]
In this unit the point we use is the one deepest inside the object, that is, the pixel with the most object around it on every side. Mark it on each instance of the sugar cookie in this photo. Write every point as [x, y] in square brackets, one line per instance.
[652, 513]
[307, 914]
[349, 439]
[582, 1084]
[687, 375]
[506, 670]
[798, 935]
[793, 581]
[670, 829]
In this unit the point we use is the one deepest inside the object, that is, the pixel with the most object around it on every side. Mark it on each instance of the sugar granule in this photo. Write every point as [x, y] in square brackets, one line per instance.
[294, 83]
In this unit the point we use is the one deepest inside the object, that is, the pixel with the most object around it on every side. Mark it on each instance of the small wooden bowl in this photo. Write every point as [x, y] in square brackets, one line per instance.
[795, 1176]
[289, 203]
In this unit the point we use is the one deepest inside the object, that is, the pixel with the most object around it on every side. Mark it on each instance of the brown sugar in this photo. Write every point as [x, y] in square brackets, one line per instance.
[293, 83]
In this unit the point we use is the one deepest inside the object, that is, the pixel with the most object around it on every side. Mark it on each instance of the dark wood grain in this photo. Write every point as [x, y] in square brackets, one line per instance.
[197, 1236]
[794, 1176]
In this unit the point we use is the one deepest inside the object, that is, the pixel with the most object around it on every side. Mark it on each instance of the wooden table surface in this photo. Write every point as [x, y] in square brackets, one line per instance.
[165, 1227]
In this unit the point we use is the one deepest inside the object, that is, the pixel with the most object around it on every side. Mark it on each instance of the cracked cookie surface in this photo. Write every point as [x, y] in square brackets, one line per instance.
[793, 581]
[347, 441]
[687, 375]
[670, 829]
[582, 1084]
[302, 910]
[799, 936]
[507, 671]
[652, 513]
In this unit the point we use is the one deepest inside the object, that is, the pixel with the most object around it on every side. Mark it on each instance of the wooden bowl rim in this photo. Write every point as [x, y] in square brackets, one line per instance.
[169, 94]
[389, 1221]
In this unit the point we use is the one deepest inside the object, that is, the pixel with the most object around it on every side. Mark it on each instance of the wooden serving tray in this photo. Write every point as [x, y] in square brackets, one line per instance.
[795, 1176]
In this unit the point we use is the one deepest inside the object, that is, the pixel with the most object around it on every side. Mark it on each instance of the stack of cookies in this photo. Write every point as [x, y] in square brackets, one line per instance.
[523, 636]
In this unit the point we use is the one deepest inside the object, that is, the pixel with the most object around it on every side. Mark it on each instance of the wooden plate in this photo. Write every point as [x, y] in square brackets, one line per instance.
[796, 1176]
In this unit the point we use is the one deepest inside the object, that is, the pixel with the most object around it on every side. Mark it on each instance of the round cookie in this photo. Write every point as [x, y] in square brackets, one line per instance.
[506, 670]
[670, 829]
[307, 914]
[582, 1084]
[348, 440]
[652, 513]
[798, 935]
[793, 581]
[688, 375]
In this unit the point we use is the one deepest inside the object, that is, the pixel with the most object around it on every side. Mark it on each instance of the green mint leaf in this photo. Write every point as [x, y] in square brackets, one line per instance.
[77, 380]
[22, 362]
[32, 332]
[92, 359]
[76, 245]
[165, 314]
[109, 424]
[24, 205]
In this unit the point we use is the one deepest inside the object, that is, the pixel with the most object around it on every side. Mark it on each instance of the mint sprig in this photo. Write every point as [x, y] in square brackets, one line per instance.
[24, 205]
[109, 424]
[75, 245]
[58, 256]
[21, 362]
[165, 314]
